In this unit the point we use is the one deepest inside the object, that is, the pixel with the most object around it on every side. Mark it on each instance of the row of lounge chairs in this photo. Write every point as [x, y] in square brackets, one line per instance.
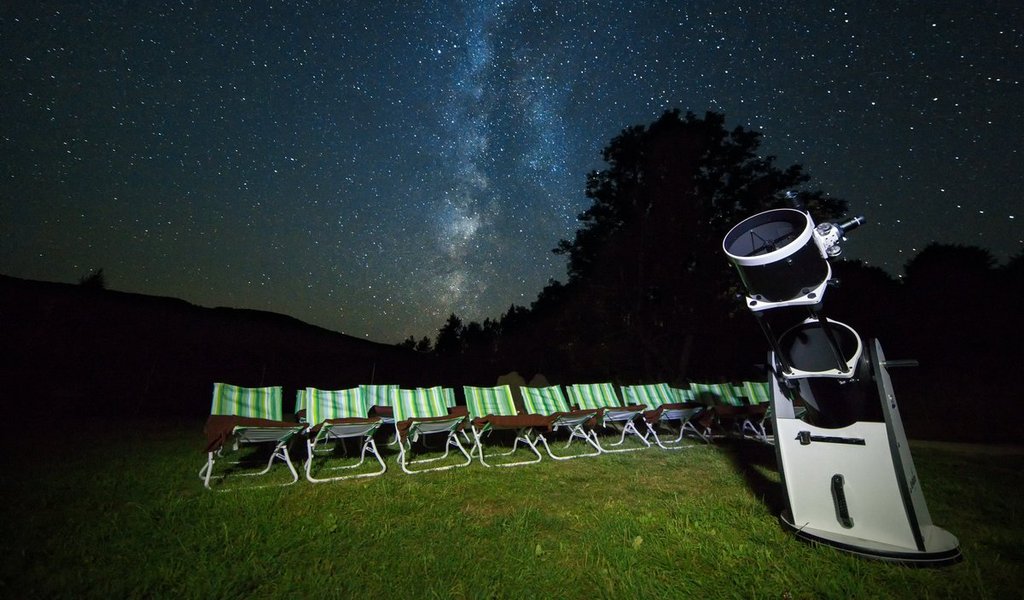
[327, 419]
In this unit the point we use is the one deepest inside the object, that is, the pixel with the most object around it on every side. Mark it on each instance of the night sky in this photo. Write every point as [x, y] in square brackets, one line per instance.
[372, 167]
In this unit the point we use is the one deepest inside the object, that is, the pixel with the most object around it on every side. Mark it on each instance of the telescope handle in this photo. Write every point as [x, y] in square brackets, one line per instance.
[894, 364]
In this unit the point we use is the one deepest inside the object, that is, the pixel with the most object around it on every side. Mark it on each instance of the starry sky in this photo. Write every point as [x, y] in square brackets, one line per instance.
[372, 167]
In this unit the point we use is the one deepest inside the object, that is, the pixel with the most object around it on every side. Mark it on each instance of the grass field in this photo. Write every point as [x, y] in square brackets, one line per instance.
[105, 511]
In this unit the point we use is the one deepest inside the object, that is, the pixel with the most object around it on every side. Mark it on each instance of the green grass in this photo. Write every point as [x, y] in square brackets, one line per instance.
[116, 512]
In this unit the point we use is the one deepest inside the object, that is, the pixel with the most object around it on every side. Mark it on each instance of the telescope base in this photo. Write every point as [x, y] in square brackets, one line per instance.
[942, 548]
[855, 487]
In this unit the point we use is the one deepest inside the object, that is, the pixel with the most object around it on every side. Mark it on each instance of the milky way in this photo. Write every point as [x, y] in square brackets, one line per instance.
[374, 167]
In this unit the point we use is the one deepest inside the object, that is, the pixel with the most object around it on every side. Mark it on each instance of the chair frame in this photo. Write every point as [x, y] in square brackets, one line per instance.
[758, 394]
[252, 435]
[612, 414]
[684, 416]
[421, 425]
[571, 420]
[522, 434]
[338, 433]
[450, 427]
[256, 435]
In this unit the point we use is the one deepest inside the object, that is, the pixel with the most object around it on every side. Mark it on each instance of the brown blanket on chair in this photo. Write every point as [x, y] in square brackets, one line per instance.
[384, 412]
[652, 416]
[218, 428]
[727, 411]
[515, 422]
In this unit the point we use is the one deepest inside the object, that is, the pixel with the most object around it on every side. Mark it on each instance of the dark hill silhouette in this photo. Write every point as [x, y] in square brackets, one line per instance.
[85, 350]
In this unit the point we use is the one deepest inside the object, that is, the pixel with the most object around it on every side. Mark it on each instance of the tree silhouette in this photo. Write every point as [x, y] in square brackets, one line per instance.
[647, 276]
[937, 263]
[422, 345]
[449, 337]
[95, 280]
[954, 298]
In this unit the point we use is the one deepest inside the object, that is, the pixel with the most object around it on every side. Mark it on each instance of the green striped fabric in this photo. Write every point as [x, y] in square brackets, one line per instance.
[727, 394]
[594, 395]
[438, 399]
[379, 395]
[544, 400]
[260, 403]
[322, 405]
[420, 403]
[300, 400]
[651, 395]
[683, 394]
[715, 393]
[449, 397]
[757, 392]
[495, 401]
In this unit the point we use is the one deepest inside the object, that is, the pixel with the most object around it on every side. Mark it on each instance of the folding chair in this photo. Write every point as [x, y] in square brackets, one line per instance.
[493, 409]
[721, 399]
[380, 400]
[695, 417]
[663, 406]
[455, 409]
[549, 401]
[602, 397]
[423, 412]
[336, 416]
[242, 416]
[759, 396]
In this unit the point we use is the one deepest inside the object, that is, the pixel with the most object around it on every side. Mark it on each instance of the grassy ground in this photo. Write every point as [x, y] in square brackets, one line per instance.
[104, 512]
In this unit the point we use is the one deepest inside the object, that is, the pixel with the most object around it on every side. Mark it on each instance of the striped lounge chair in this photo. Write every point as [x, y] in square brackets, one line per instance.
[730, 412]
[602, 397]
[664, 405]
[380, 399]
[759, 397]
[423, 412]
[334, 417]
[493, 409]
[550, 401]
[241, 416]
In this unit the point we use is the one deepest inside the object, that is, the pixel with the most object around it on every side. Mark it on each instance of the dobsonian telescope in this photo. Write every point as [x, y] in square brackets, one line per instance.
[843, 456]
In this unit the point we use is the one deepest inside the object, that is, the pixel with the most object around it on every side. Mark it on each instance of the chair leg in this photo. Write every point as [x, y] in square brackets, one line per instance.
[367, 445]
[628, 428]
[676, 444]
[280, 452]
[207, 470]
[574, 432]
[451, 441]
[520, 437]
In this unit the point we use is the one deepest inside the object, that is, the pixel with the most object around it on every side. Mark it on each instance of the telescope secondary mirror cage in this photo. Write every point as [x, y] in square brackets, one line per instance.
[782, 257]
